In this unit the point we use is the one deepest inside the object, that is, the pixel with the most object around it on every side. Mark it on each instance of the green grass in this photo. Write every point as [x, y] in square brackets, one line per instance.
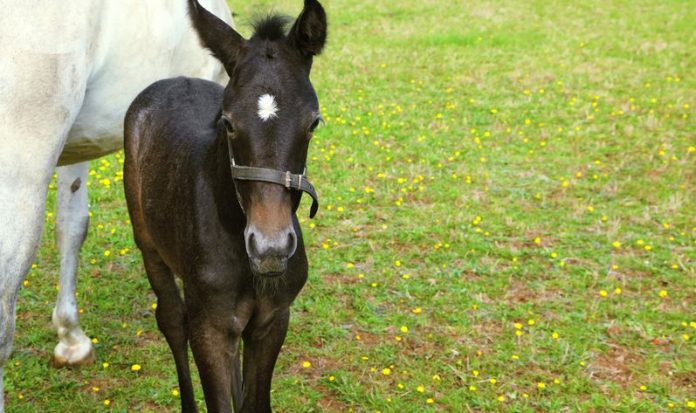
[479, 163]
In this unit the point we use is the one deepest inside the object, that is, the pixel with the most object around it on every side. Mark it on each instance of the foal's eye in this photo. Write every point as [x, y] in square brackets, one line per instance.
[228, 125]
[314, 125]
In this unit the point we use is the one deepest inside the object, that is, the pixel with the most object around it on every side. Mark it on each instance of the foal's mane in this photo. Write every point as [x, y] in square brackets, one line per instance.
[271, 27]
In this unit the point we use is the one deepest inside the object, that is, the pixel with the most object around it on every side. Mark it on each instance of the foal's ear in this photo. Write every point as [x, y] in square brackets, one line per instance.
[308, 34]
[216, 35]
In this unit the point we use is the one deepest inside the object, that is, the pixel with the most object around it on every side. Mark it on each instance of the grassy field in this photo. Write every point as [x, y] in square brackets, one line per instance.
[507, 223]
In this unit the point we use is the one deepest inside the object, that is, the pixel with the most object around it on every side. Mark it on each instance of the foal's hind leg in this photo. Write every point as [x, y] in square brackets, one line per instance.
[171, 320]
[72, 219]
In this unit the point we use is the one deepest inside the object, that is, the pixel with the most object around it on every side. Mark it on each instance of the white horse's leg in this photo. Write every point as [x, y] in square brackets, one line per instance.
[22, 202]
[72, 219]
[40, 96]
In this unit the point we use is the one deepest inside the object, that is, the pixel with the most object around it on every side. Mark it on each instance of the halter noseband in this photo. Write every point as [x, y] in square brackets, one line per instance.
[291, 181]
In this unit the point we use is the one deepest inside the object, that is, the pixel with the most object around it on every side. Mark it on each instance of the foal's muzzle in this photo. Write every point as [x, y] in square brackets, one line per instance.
[269, 255]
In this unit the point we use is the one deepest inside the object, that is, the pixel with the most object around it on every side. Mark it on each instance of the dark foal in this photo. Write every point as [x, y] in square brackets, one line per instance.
[230, 233]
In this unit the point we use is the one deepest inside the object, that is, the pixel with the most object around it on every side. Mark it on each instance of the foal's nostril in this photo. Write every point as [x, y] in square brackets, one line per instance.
[250, 244]
[292, 243]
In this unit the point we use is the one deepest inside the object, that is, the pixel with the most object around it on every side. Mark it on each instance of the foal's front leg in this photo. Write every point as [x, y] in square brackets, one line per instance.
[215, 328]
[72, 219]
[262, 342]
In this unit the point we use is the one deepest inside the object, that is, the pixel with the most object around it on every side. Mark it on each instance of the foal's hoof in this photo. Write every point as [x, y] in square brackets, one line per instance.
[73, 356]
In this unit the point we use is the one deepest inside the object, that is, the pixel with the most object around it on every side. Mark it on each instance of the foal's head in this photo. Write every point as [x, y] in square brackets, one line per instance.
[270, 111]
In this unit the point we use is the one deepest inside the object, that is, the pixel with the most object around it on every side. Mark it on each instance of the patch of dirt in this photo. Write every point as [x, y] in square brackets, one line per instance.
[686, 379]
[328, 404]
[614, 366]
[337, 278]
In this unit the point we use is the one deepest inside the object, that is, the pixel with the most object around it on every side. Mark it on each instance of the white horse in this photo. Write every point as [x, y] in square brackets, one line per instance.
[68, 71]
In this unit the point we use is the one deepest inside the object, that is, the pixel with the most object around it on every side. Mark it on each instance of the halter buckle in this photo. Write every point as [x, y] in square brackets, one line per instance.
[288, 180]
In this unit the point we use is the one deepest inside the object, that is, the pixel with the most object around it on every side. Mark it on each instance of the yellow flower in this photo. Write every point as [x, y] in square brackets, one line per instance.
[493, 380]
[603, 293]
[416, 310]
[616, 244]
[472, 388]
[306, 364]
[617, 291]
[554, 335]
[501, 398]
[541, 385]
[663, 294]
[332, 378]
[430, 401]
[420, 389]
[404, 329]
[386, 371]
[175, 392]
[107, 402]
[135, 367]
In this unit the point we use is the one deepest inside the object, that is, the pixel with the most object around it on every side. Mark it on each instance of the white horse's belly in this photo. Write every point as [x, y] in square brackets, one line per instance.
[82, 149]
[159, 43]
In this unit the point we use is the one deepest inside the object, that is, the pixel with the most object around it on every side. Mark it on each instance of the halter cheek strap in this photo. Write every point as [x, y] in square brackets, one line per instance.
[292, 182]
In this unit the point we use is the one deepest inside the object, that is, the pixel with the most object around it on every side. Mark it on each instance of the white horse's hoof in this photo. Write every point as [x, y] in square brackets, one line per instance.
[78, 354]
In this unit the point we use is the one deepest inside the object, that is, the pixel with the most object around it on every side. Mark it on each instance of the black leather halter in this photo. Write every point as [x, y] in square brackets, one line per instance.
[291, 181]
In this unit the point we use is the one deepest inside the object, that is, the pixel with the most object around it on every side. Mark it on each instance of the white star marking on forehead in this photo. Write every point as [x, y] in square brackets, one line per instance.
[268, 108]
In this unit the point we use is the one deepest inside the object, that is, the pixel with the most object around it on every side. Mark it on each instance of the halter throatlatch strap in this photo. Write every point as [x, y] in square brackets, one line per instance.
[289, 180]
